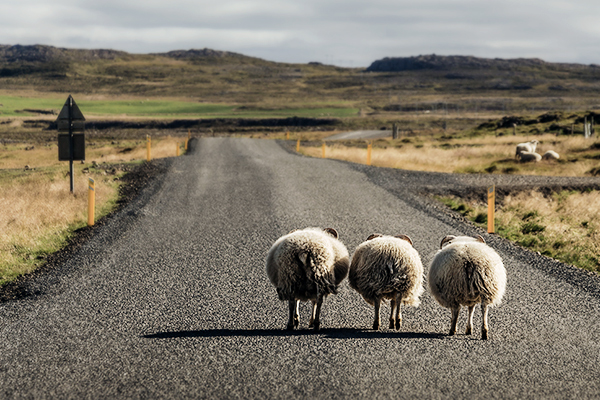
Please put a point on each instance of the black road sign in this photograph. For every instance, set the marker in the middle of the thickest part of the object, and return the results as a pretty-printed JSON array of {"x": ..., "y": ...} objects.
[
  {"x": 64, "y": 147},
  {"x": 71, "y": 147}
]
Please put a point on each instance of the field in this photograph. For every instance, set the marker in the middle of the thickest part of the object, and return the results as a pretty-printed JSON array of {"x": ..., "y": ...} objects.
[
  {"x": 39, "y": 212},
  {"x": 14, "y": 106}
]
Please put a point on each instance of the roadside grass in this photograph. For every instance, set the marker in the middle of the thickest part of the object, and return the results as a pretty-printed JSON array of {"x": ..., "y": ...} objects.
[
  {"x": 482, "y": 154},
  {"x": 563, "y": 225},
  {"x": 39, "y": 214}
]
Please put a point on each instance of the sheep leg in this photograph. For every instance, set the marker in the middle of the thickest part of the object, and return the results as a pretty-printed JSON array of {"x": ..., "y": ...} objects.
[
  {"x": 398, "y": 312},
  {"x": 484, "y": 326},
  {"x": 455, "y": 312},
  {"x": 470, "y": 321},
  {"x": 311, "y": 323},
  {"x": 377, "y": 304},
  {"x": 393, "y": 306},
  {"x": 316, "y": 321},
  {"x": 294, "y": 318}
]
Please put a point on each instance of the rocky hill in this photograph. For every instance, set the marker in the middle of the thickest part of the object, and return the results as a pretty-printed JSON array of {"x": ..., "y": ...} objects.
[{"x": 452, "y": 63}]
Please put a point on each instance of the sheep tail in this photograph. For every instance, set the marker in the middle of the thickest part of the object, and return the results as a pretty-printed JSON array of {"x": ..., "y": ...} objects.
[
  {"x": 475, "y": 282},
  {"x": 325, "y": 280}
]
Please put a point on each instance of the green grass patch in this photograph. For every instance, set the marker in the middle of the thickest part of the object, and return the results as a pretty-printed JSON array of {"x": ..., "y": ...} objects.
[{"x": 17, "y": 106}]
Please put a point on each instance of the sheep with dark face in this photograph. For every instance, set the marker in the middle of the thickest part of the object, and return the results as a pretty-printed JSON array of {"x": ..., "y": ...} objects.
[
  {"x": 304, "y": 265},
  {"x": 526, "y": 156},
  {"x": 527, "y": 147},
  {"x": 550, "y": 155},
  {"x": 465, "y": 272},
  {"x": 387, "y": 267}
]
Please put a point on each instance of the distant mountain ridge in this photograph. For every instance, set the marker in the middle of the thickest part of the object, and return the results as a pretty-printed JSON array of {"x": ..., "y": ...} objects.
[
  {"x": 448, "y": 63},
  {"x": 46, "y": 54}
]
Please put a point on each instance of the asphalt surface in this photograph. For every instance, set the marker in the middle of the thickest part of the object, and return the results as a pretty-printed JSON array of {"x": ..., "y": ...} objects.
[{"x": 170, "y": 299}]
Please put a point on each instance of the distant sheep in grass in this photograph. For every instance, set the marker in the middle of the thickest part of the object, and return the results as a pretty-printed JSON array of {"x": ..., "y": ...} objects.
[
  {"x": 526, "y": 147},
  {"x": 464, "y": 272},
  {"x": 387, "y": 267},
  {"x": 307, "y": 264},
  {"x": 526, "y": 156},
  {"x": 550, "y": 155}
]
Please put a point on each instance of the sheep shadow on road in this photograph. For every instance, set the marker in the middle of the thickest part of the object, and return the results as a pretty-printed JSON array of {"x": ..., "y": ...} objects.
[{"x": 334, "y": 333}]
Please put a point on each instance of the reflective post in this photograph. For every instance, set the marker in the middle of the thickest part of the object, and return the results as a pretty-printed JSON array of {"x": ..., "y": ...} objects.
[
  {"x": 491, "y": 208},
  {"x": 369, "y": 147},
  {"x": 148, "y": 147},
  {"x": 298, "y": 146},
  {"x": 323, "y": 155}
]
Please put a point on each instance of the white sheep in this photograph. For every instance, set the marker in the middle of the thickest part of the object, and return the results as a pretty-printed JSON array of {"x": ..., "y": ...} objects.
[
  {"x": 464, "y": 272},
  {"x": 527, "y": 146},
  {"x": 304, "y": 265},
  {"x": 526, "y": 156},
  {"x": 387, "y": 267},
  {"x": 550, "y": 155}
]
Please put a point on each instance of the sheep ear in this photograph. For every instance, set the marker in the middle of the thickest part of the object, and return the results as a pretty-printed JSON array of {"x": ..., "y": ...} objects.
[
  {"x": 332, "y": 232},
  {"x": 480, "y": 239},
  {"x": 447, "y": 240},
  {"x": 292, "y": 231},
  {"x": 404, "y": 237},
  {"x": 373, "y": 236}
]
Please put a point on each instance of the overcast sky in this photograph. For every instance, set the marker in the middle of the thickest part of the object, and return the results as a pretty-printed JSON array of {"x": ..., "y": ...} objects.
[{"x": 347, "y": 33}]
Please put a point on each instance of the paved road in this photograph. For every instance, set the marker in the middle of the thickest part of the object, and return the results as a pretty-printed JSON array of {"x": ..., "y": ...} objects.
[{"x": 170, "y": 299}]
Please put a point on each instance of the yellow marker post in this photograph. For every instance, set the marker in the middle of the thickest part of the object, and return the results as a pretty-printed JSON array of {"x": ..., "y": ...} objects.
[
  {"x": 148, "y": 147},
  {"x": 369, "y": 147},
  {"x": 323, "y": 150},
  {"x": 177, "y": 149},
  {"x": 298, "y": 146},
  {"x": 491, "y": 208},
  {"x": 186, "y": 143},
  {"x": 91, "y": 201},
  {"x": 287, "y": 135}
]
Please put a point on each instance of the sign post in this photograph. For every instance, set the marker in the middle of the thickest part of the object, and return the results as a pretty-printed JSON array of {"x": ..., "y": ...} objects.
[
  {"x": 491, "y": 208},
  {"x": 71, "y": 146}
]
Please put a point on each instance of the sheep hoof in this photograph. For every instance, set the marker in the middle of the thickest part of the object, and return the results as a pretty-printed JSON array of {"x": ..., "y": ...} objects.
[
  {"x": 398, "y": 324},
  {"x": 484, "y": 335},
  {"x": 452, "y": 332},
  {"x": 392, "y": 324},
  {"x": 291, "y": 327},
  {"x": 375, "y": 326},
  {"x": 316, "y": 325},
  {"x": 468, "y": 331}
]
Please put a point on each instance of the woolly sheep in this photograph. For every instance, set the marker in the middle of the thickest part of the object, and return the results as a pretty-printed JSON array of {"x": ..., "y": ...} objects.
[
  {"x": 550, "y": 155},
  {"x": 464, "y": 272},
  {"x": 527, "y": 156},
  {"x": 527, "y": 146},
  {"x": 387, "y": 267},
  {"x": 304, "y": 265}
]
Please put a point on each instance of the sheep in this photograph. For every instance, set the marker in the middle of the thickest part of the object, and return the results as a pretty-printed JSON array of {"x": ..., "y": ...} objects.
[
  {"x": 464, "y": 272},
  {"x": 527, "y": 146},
  {"x": 304, "y": 265},
  {"x": 550, "y": 155},
  {"x": 526, "y": 156},
  {"x": 387, "y": 267}
]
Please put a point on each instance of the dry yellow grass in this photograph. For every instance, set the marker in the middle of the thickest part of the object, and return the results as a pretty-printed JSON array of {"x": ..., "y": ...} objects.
[
  {"x": 480, "y": 154},
  {"x": 38, "y": 211},
  {"x": 564, "y": 225}
]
